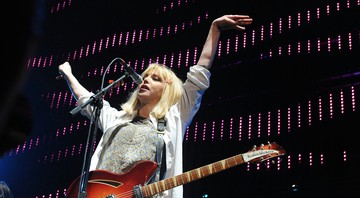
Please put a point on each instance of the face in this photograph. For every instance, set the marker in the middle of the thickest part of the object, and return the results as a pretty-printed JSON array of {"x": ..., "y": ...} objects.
[{"x": 151, "y": 89}]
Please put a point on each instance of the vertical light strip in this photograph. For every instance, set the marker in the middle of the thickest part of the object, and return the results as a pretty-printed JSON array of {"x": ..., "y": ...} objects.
[
  {"x": 244, "y": 40},
  {"x": 213, "y": 131},
  {"x": 327, "y": 10},
  {"x": 73, "y": 150},
  {"x": 65, "y": 98},
  {"x": 176, "y": 29},
  {"x": 342, "y": 101},
  {"x": 320, "y": 109},
  {"x": 80, "y": 148},
  {"x": 350, "y": 40},
  {"x": 317, "y": 13},
  {"x": 269, "y": 123},
  {"x": 187, "y": 57},
  {"x": 289, "y": 50},
  {"x": 221, "y": 130},
  {"x": 289, "y": 119},
  {"x": 339, "y": 42},
  {"x": 204, "y": 132},
  {"x": 94, "y": 48},
  {"x": 299, "y": 115},
  {"x": 58, "y": 100},
  {"x": 100, "y": 45},
  {"x": 58, "y": 155},
  {"x": 147, "y": 36},
  {"x": 195, "y": 131},
  {"x": 353, "y": 98},
  {"x": 288, "y": 161},
  {"x": 219, "y": 49},
  {"x": 250, "y": 127},
  {"x": 309, "y": 113},
  {"x": 289, "y": 22},
  {"x": 161, "y": 31},
  {"x": 172, "y": 60},
  {"x": 164, "y": 59},
  {"x": 240, "y": 128},
  {"x": 331, "y": 105},
  {"x": 278, "y": 163},
  {"x": 114, "y": 40},
  {"x": 81, "y": 52},
  {"x": 253, "y": 38},
  {"x": 179, "y": 59},
  {"x": 231, "y": 128},
  {"x": 322, "y": 159},
  {"x": 279, "y": 121},
  {"x": 279, "y": 50},
  {"x": 52, "y": 100},
  {"x": 87, "y": 50},
  {"x": 228, "y": 46},
  {"x": 195, "y": 56},
  {"x": 259, "y": 126},
  {"x": 134, "y": 36},
  {"x": 236, "y": 46},
  {"x": 308, "y": 16},
  {"x": 280, "y": 25},
  {"x": 168, "y": 30},
  {"x": 153, "y": 35}
]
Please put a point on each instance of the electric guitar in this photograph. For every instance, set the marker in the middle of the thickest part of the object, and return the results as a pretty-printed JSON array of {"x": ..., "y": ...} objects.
[{"x": 131, "y": 184}]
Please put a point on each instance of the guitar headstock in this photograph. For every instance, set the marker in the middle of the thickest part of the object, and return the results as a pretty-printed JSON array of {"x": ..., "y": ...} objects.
[{"x": 263, "y": 152}]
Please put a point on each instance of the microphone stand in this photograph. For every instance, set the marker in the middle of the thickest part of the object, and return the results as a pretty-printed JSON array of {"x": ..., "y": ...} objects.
[{"x": 96, "y": 100}]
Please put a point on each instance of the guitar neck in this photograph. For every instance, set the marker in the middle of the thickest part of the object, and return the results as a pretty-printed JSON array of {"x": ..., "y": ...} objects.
[{"x": 192, "y": 175}]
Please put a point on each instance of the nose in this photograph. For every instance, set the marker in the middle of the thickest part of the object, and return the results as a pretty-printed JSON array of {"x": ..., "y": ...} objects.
[{"x": 145, "y": 79}]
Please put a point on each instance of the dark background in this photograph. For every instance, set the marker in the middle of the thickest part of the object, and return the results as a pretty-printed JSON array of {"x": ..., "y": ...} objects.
[{"x": 255, "y": 90}]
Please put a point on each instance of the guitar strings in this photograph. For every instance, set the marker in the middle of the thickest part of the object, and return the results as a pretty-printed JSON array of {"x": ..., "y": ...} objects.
[{"x": 125, "y": 194}]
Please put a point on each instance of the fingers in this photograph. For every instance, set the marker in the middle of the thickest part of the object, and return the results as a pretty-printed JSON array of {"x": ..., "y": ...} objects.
[
  {"x": 242, "y": 21},
  {"x": 62, "y": 69}
]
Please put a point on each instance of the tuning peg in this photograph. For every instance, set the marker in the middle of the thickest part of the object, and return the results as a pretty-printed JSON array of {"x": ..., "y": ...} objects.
[
  {"x": 254, "y": 148},
  {"x": 262, "y": 146},
  {"x": 269, "y": 143}
]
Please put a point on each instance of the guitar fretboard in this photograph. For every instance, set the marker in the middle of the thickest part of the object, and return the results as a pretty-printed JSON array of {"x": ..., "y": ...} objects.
[{"x": 192, "y": 175}]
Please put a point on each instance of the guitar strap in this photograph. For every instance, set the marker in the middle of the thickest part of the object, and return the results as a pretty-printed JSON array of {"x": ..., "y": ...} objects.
[{"x": 160, "y": 149}]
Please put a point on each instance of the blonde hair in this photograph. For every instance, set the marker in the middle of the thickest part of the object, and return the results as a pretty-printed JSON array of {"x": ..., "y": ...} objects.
[{"x": 171, "y": 94}]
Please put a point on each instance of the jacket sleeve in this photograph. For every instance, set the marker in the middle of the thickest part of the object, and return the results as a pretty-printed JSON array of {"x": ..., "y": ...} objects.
[
  {"x": 197, "y": 82},
  {"x": 109, "y": 116}
]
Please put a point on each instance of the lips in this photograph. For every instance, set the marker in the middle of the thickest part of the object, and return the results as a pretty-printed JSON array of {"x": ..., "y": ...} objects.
[{"x": 144, "y": 88}]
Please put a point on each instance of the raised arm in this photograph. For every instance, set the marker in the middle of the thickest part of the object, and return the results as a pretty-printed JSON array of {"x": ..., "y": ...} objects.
[
  {"x": 226, "y": 22},
  {"x": 75, "y": 87}
]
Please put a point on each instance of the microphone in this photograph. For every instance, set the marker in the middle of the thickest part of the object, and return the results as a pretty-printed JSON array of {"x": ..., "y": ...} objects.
[
  {"x": 135, "y": 76},
  {"x": 59, "y": 77}
]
